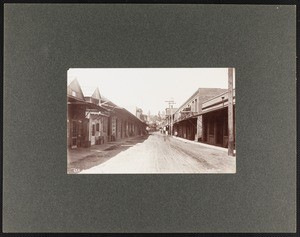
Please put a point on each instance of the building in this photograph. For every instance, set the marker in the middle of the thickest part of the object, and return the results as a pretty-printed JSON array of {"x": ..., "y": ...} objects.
[
  {"x": 77, "y": 135},
  {"x": 215, "y": 120},
  {"x": 139, "y": 114},
  {"x": 187, "y": 119},
  {"x": 168, "y": 120},
  {"x": 97, "y": 119},
  {"x": 94, "y": 119},
  {"x": 122, "y": 123}
]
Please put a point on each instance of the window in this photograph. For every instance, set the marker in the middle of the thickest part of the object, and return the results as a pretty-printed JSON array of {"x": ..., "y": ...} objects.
[
  {"x": 73, "y": 93},
  {"x": 93, "y": 130},
  {"x": 74, "y": 129},
  {"x": 97, "y": 127}
]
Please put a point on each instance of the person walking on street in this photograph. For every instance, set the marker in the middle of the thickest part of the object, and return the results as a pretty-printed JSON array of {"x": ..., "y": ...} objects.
[{"x": 165, "y": 133}]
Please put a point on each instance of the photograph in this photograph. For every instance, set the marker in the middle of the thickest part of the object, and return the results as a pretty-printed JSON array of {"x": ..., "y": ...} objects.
[
  {"x": 151, "y": 120},
  {"x": 121, "y": 118}
]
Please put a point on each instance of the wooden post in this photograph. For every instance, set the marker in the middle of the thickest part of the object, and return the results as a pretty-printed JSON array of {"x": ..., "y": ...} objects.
[
  {"x": 171, "y": 122},
  {"x": 215, "y": 131},
  {"x": 203, "y": 139},
  {"x": 230, "y": 112}
]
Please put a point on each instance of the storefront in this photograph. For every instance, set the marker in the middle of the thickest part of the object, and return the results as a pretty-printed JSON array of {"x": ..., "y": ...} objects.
[
  {"x": 186, "y": 128},
  {"x": 215, "y": 120},
  {"x": 77, "y": 133}
]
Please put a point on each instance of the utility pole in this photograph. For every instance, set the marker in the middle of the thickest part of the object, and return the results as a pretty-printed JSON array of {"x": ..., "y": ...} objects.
[
  {"x": 171, "y": 102},
  {"x": 230, "y": 112}
]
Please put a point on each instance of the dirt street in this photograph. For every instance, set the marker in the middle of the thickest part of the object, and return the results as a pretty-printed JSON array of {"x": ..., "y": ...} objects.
[{"x": 161, "y": 154}]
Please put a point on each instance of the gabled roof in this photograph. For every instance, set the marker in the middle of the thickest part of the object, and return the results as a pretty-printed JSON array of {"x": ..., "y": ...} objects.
[
  {"x": 97, "y": 94},
  {"x": 95, "y": 97},
  {"x": 74, "y": 86},
  {"x": 88, "y": 91}
]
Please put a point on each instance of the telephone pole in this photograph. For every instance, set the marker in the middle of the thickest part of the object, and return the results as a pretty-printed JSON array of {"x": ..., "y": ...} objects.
[
  {"x": 230, "y": 112},
  {"x": 171, "y": 102}
]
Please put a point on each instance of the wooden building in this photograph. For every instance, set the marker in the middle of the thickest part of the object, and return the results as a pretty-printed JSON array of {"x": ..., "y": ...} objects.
[
  {"x": 97, "y": 117},
  {"x": 93, "y": 119},
  {"x": 76, "y": 120},
  {"x": 187, "y": 118},
  {"x": 215, "y": 120},
  {"x": 122, "y": 123}
]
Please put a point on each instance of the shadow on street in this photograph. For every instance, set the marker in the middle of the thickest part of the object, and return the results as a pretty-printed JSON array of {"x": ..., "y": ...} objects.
[{"x": 100, "y": 156}]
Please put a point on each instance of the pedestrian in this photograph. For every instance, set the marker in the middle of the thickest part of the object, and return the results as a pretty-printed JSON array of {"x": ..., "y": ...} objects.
[{"x": 165, "y": 132}]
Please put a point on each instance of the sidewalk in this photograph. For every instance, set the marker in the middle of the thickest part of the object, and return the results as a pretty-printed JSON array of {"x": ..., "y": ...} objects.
[
  {"x": 80, "y": 153},
  {"x": 202, "y": 144}
]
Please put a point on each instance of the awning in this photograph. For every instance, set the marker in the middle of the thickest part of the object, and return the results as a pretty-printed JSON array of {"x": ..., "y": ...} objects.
[
  {"x": 185, "y": 119},
  {"x": 98, "y": 113}
]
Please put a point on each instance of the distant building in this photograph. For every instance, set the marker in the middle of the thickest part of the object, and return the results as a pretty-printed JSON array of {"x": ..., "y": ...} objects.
[
  {"x": 139, "y": 114},
  {"x": 168, "y": 113}
]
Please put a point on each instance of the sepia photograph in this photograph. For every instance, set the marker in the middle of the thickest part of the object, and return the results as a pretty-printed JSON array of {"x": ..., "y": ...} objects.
[{"x": 151, "y": 120}]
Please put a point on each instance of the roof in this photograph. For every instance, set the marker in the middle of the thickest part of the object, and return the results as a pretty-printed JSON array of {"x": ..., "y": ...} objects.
[
  {"x": 107, "y": 103},
  {"x": 203, "y": 95},
  {"x": 217, "y": 102},
  {"x": 87, "y": 91},
  {"x": 219, "y": 96},
  {"x": 74, "y": 90},
  {"x": 125, "y": 113}
]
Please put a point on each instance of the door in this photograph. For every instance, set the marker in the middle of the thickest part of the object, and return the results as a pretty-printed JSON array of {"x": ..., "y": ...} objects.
[
  {"x": 219, "y": 135},
  {"x": 93, "y": 134},
  {"x": 74, "y": 134}
]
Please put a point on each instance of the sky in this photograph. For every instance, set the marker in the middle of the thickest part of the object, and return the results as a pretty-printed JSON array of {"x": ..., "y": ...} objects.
[{"x": 148, "y": 88}]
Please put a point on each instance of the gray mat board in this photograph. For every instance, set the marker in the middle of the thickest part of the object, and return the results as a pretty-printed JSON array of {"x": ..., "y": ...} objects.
[{"x": 41, "y": 42}]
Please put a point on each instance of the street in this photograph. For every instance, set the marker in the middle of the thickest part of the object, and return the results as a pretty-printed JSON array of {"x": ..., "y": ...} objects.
[{"x": 165, "y": 154}]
